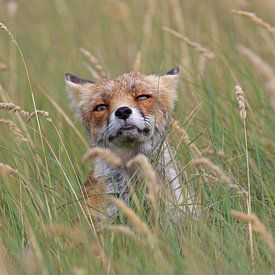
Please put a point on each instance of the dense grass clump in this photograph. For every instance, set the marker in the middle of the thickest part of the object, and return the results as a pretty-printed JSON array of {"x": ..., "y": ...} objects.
[{"x": 223, "y": 131}]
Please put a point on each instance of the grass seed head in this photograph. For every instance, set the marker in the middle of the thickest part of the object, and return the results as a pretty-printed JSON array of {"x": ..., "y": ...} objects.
[
  {"x": 147, "y": 172},
  {"x": 3, "y": 67},
  {"x": 94, "y": 62},
  {"x": 260, "y": 65},
  {"x": 122, "y": 229},
  {"x": 137, "y": 62},
  {"x": 257, "y": 227},
  {"x": 58, "y": 229},
  {"x": 14, "y": 108},
  {"x": 17, "y": 109},
  {"x": 105, "y": 154},
  {"x": 218, "y": 172},
  {"x": 38, "y": 113},
  {"x": 270, "y": 88},
  {"x": 7, "y": 170},
  {"x": 79, "y": 271},
  {"x": 196, "y": 46},
  {"x": 15, "y": 130},
  {"x": 241, "y": 101},
  {"x": 255, "y": 19},
  {"x": 134, "y": 219},
  {"x": 185, "y": 137}
]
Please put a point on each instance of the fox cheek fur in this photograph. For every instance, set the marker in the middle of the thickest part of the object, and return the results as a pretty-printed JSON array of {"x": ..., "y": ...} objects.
[{"x": 130, "y": 108}]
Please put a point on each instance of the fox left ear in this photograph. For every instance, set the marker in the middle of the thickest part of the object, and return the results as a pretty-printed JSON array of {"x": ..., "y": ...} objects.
[
  {"x": 171, "y": 78},
  {"x": 174, "y": 71},
  {"x": 77, "y": 88},
  {"x": 168, "y": 87}
]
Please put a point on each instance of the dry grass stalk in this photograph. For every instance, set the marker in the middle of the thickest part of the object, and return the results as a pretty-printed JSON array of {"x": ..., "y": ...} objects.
[
  {"x": 257, "y": 226},
  {"x": 79, "y": 271},
  {"x": 3, "y": 67},
  {"x": 208, "y": 177},
  {"x": 6, "y": 98},
  {"x": 95, "y": 63},
  {"x": 241, "y": 101},
  {"x": 147, "y": 172},
  {"x": 134, "y": 219},
  {"x": 141, "y": 228},
  {"x": 122, "y": 229},
  {"x": 4, "y": 27},
  {"x": 200, "y": 49},
  {"x": 118, "y": 10},
  {"x": 7, "y": 170},
  {"x": 147, "y": 25},
  {"x": 14, "y": 108},
  {"x": 200, "y": 160},
  {"x": 261, "y": 66},
  {"x": 65, "y": 117},
  {"x": 72, "y": 232},
  {"x": 103, "y": 257},
  {"x": 218, "y": 172},
  {"x": 30, "y": 262},
  {"x": 137, "y": 62},
  {"x": 185, "y": 137},
  {"x": 105, "y": 154},
  {"x": 18, "y": 109},
  {"x": 6, "y": 265},
  {"x": 264, "y": 70},
  {"x": 15, "y": 130},
  {"x": 94, "y": 74},
  {"x": 185, "y": 59},
  {"x": 209, "y": 152},
  {"x": 270, "y": 87},
  {"x": 215, "y": 178},
  {"x": 38, "y": 113},
  {"x": 255, "y": 19}
]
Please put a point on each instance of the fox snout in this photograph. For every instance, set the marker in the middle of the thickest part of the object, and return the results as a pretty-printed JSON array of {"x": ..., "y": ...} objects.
[
  {"x": 128, "y": 124},
  {"x": 123, "y": 112}
]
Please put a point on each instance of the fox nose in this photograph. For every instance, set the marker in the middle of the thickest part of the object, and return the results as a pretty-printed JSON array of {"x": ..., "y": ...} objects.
[{"x": 123, "y": 112}]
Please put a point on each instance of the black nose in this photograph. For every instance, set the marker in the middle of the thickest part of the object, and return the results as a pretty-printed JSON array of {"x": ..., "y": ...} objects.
[{"x": 123, "y": 112}]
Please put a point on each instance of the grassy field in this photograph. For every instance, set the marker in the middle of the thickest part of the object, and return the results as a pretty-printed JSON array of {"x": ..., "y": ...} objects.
[{"x": 40, "y": 199}]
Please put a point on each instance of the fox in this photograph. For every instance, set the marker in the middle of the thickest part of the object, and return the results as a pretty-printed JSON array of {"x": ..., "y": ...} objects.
[{"x": 129, "y": 115}]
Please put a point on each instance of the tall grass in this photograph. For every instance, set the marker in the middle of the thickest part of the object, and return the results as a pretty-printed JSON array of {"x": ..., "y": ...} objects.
[{"x": 44, "y": 225}]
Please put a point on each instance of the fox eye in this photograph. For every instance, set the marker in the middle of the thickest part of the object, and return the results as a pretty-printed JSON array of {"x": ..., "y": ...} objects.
[
  {"x": 100, "y": 107},
  {"x": 142, "y": 97}
]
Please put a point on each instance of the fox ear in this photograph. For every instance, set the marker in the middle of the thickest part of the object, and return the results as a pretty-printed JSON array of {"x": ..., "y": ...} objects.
[
  {"x": 174, "y": 71},
  {"x": 168, "y": 84},
  {"x": 77, "y": 88},
  {"x": 171, "y": 78}
]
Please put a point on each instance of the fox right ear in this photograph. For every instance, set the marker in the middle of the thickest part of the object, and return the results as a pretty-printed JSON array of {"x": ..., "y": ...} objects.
[
  {"x": 174, "y": 71},
  {"x": 77, "y": 88}
]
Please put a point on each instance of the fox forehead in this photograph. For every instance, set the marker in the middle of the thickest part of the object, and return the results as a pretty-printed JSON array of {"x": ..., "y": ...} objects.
[{"x": 126, "y": 84}]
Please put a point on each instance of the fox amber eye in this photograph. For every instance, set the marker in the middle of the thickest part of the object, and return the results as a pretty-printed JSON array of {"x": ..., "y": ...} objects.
[
  {"x": 142, "y": 97},
  {"x": 100, "y": 107}
]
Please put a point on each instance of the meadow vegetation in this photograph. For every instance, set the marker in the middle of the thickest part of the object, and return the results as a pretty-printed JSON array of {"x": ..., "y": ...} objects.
[{"x": 223, "y": 131}]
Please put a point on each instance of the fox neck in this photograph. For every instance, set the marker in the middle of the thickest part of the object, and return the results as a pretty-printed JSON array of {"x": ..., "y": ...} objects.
[{"x": 117, "y": 179}]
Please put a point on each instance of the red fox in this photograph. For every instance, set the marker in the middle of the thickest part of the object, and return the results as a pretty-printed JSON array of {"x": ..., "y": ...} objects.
[{"x": 129, "y": 115}]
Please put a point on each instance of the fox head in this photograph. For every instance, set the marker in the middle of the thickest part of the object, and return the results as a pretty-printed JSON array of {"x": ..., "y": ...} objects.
[{"x": 129, "y": 111}]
